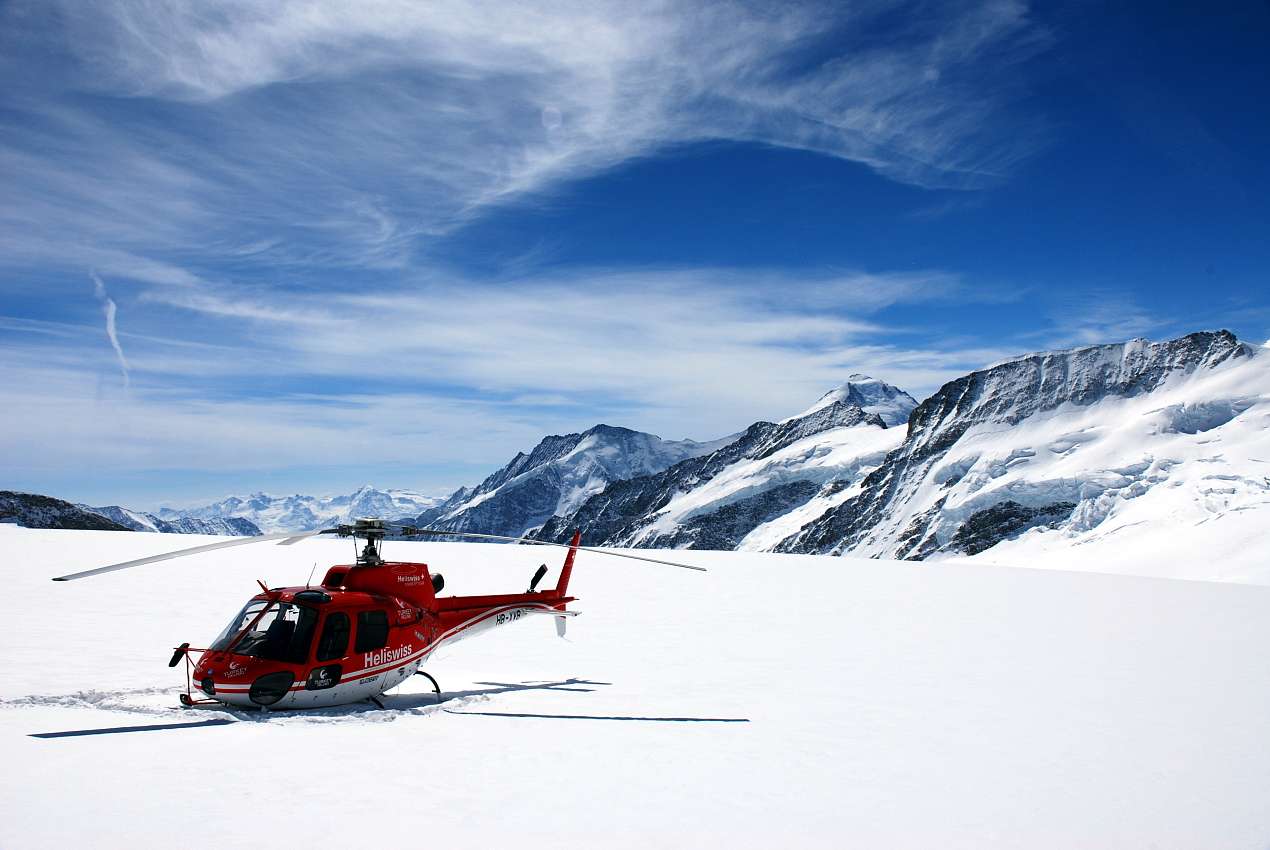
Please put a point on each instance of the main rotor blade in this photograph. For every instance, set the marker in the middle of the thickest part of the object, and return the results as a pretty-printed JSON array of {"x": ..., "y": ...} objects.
[
  {"x": 530, "y": 540},
  {"x": 180, "y": 553}
]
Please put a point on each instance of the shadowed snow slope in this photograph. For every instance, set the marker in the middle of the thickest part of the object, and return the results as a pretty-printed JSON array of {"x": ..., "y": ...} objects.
[{"x": 885, "y": 705}]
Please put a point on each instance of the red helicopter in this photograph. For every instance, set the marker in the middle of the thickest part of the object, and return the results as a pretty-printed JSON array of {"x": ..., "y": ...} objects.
[{"x": 375, "y": 623}]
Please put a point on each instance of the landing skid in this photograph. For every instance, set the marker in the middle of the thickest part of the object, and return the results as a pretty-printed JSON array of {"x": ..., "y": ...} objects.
[{"x": 188, "y": 701}]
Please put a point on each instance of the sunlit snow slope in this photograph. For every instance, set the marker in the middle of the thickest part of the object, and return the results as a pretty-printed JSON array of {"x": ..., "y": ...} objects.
[{"x": 776, "y": 701}]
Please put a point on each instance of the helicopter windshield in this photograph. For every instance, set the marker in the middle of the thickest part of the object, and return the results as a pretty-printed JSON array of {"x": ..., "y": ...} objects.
[{"x": 284, "y": 633}]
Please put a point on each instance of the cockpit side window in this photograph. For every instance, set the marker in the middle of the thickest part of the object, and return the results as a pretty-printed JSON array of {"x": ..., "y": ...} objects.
[
  {"x": 244, "y": 619},
  {"x": 283, "y": 633},
  {"x": 372, "y": 630},
  {"x": 334, "y": 640}
]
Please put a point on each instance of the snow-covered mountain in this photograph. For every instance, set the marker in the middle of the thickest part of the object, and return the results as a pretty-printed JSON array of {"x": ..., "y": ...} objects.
[
  {"x": 304, "y": 513},
  {"x": 556, "y": 477},
  {"x": 32, "y": 510},
  {"x": 1158, "y": 445},
  {"x": 757, "y": 489},
  {"x": 139, "y": 521}
]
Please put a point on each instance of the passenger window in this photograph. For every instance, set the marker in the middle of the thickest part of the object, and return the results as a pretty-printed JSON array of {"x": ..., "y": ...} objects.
[
  {"x": 372, "y": 630},
  {"x": 334, "y": 640}
]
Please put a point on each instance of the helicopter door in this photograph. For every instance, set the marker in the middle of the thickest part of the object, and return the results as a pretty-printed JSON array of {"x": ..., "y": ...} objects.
[{"x": 332, "y": 645}]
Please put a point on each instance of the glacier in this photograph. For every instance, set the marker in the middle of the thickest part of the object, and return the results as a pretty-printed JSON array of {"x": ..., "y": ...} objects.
[{"x": 775, "y": 701}]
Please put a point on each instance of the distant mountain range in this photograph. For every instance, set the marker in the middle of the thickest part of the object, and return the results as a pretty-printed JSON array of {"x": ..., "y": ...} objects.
[
  {"x": 1101, "y": 450},
  {"x": 235, "y": 516},
  {"x": 138, "y": 521},
  {"x": 305, "y": 513}
]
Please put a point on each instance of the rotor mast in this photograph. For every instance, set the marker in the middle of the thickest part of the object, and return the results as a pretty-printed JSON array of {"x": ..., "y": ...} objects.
[{"x": 373, "y": 532}]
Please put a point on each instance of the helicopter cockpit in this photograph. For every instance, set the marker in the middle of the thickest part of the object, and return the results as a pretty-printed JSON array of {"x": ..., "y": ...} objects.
[{"x": 269, "y": 629}]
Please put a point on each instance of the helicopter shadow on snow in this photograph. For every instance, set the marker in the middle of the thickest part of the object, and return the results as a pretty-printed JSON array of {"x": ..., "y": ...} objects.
[
  {"x": 391, "y": 707},
  {"x": 465, "y": 702}
]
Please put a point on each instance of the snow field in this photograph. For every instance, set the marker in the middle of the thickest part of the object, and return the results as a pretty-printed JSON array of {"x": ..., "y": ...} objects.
[{"x": 886, "y": 705}]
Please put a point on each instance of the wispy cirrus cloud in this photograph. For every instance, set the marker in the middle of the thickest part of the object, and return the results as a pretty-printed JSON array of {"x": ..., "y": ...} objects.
[
  {"x": 304, "y": 133},
  {"x": 698, "y": 350}
]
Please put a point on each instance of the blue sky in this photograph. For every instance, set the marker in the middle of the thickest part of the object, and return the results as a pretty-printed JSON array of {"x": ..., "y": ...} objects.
[{"x": 305, "y": 246}]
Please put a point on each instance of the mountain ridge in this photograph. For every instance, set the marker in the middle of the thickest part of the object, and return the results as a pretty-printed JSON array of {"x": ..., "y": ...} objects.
[
  {"x": 890, "y": 518},
  {"x": 762, "y": 486},
  {"x": 559, "y": 473},
  {"x": 34, "y": 510}
]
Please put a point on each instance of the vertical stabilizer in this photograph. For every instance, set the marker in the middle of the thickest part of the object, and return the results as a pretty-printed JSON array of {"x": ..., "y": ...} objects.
[{"x": 562, "y": 586}]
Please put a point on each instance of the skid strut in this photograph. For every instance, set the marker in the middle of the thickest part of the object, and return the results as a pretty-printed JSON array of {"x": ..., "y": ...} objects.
[
  {"x": 188, "y": 699},
  {"x": 435, "y": 686}
]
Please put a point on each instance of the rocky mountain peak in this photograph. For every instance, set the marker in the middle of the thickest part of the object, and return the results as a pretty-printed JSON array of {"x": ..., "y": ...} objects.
[{"x": 871, "y": 395}]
